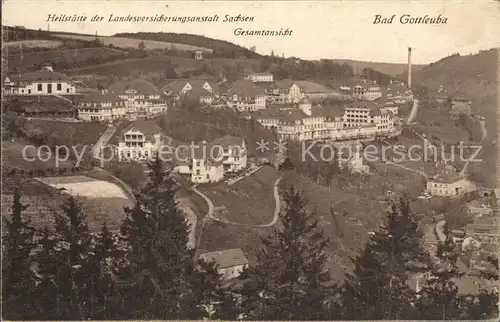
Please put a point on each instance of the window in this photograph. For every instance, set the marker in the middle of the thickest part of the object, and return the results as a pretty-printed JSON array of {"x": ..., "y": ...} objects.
[
  {"x": 39, "y": 87},
  {"x": 59, "y": 87}
]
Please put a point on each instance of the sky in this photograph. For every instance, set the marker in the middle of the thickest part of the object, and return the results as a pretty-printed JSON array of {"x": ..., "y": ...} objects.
[{"x": 321, "y": 29}]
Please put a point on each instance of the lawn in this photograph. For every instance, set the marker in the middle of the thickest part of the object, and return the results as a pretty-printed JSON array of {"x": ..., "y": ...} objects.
[
  {"x": 72, "y": 133},
  {"x": 438, "y": 126},
  {"x": 63, "y": 58},
  {"x": 32, "y": 44},
  {"x": 85, "y": 187},
  {"x": 241, "y": 198},
  {"x": 133, "y": 43}
]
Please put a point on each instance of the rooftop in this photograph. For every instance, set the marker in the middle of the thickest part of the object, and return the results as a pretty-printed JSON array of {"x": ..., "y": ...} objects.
[
  {"x": 98, "y": 97},
  {"x": 310, "y": 87},
  {"x": 40, "y": 75},
  {"x": 245, "y": 88},
  {"x": 142, "y": 86},
  {"x": 146, "y": 127},
  {"x": 226, "y": 258}
]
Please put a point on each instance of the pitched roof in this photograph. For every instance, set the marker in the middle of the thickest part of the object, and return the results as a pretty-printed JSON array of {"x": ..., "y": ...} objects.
[
  {"x": 305, "y": 100},
  {"x": 146, "y": 127},
  {"x": 245, "y": 88},
  {"x": 363, "y": 105},
  {"x": 284, "y": 83},
  {"x": 140, "y": 85},
  {"x": 228, "y": 141},
  {"x": 98, "y": 97},
  {"x": 226, "y": 258},
  {"x": 39, "y": 75},
  {"x": 447, "y": 176},
  {"x": 310, "y": 87}
]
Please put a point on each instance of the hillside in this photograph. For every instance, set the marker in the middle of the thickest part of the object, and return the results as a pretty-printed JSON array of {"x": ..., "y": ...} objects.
[
  {"x": 474, "y": 76},
  {"x": 220, "y": 48},
  {"x": 391, "y": 69}
]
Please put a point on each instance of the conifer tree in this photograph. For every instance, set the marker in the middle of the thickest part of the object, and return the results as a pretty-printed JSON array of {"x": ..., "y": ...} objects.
[
  {"x": 73, "y": 271},
  {"x": 289, "y": 280},
  {"x": 162, "y": 270},
  {"x": 438, "y": 298},
  {"x": 378, "y": 288},
  {"x": 17, "y": 274}
]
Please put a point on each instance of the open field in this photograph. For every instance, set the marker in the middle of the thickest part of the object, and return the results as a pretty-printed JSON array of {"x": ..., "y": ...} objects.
[
  {"x": 63, "y": 58},
  {"x": 241, "y": 198},
  {"x": 85, "y": 187},
  {"x": 12, "y": 157},
  {"x": 32, "y": 44},
  {"x": 86, "y": 133},
  {"x": 439, "y": 126},
  {"x": 133, "y": 43}
]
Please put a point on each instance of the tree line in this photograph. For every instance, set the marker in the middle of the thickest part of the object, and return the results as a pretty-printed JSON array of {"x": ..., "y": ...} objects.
[{"x": 146, "y": 271}]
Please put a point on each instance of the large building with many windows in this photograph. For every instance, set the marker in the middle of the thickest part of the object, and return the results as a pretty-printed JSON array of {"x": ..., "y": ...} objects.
[
  {"x": 139, "y": 141},
  {"x": 143, "y": 97},
  {"x": 42, "y": 82},
  {"x": 101, "y": 107}
]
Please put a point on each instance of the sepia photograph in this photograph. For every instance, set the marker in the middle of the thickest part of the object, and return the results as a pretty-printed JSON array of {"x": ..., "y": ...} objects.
[{"x": 249, "y": 160}]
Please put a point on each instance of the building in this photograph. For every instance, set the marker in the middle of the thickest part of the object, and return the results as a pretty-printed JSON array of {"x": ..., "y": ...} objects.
[
  {"x": 315, "y": 91},
  {"x": 101, "y": 107},
  {"x": 398, "y": 93},
  {"x": 180, "y": 87},
  {"x": 260, "y": 78},
  {"x": 245, "y": 96},
  {"x": 460, "y": 106},
  {"x": 234, "y": 153},
  {"x": 359, "y": 92},
  {"x": 480, "y": 207},
  {"x": 143, "y": 97},
  {"x": 303, "y": 121},
  {"x": 373, "y": 93},
  {"x": 230, "y": 262},
  {"x": 484, "y": 230},
  {"x": 139, "y": 141},
  {"x": 209, "y": 162},
  {"x": 449, "y": 183},
  {"x": 49, "y": 107},
  {"x": 42, "y": 82},
  {"x": 198, "y": 55},
  {"x": 202, "y": 162}
]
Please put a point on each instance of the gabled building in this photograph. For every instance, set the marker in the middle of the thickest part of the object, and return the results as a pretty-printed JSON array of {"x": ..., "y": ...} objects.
[
  {"x": 42, "y": 82},
  {"x": 234, "y": 152},
  {"x": 143, "y": 97},
  {"x": 449, "y": 183},
  {"x": 101, "y": 107},
  {"x": 202, "y": 162},
  {"x": 230, "y": 262},
  {"x": 139, "y": 141},
  {"x": 245, "y": 96}
]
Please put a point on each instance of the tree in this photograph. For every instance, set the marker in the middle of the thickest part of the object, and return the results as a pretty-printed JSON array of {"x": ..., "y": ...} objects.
[
  {"x": 438, "y": 298},
  {"x": 377, "y": 289},
  {"x": 17, "y": 275},
  {"x": 141, "y": 46},
  {"x": 289, "y": 281},
  {"x": 164, "y": 277}
]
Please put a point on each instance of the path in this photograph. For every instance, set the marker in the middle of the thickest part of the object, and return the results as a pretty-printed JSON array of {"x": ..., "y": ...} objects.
[
  {"x": 413, "y": 112},
  {"x": 210, "y": 212},
  {"x": 406, "y": 168},
  {"x": 484, "y": 133},
  {"x": 103, "y": 140},
  {"x": 185, "y": 204},
  {"x": 440, "y": 231}
]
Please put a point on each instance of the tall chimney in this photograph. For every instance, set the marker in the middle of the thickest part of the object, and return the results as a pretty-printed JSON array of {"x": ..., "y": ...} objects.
[{"x": 409, "y": 67}]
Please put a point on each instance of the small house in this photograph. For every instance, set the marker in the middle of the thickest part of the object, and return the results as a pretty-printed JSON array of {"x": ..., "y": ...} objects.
[{"x": 231, "y": 262}]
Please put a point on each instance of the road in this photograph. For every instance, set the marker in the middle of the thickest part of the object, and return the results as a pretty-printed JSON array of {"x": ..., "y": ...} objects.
[
  {"x": 440, "y": 231},
  {"x": 185, "y": 204},
  {"x": 210, "y": 212}
]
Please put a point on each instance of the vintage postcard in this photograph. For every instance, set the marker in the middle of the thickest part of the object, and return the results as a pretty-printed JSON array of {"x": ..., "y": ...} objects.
[{"x": 250, "y": 160}]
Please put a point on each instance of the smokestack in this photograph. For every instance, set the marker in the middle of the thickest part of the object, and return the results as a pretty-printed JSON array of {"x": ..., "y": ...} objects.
[{"x": 409, "y": 67}]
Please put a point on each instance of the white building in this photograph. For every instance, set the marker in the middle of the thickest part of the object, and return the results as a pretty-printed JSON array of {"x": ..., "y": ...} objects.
[
  {"x": 143, "y": 97},
  {"x": 198, "y": 55},
  {"x": 373, "y": 93},
  {"x": 191, "y": 87},
  {"x": 139, "y": 141},
  {"x": 42, "y": 82},
  {"x": 234, "y": 153},
  {"x": 101, "y": 107},
  {"x": 208, "y": 163},
  {"x": 359, "y": 92},
  {"x": 245, "y": 96},
  {"x": 449, "y": 184},
  {"x": 304, "y": 122},
  {"x": 260, "y": 78},
  {"x": 230, "y": 262}
]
